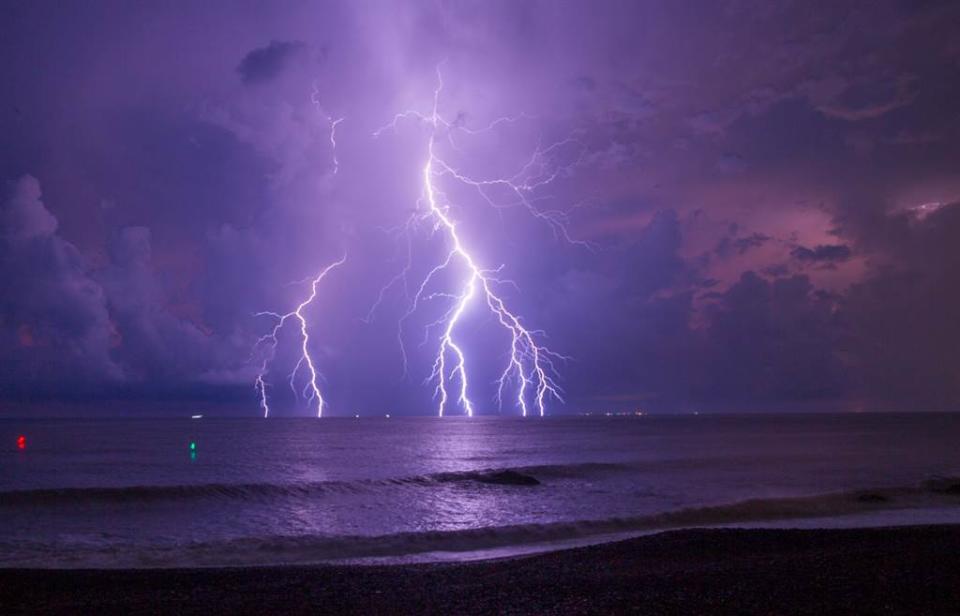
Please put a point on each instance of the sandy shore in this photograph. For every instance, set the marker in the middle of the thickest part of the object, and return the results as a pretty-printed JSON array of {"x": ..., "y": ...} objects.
[{"x": 912, "y": 570}]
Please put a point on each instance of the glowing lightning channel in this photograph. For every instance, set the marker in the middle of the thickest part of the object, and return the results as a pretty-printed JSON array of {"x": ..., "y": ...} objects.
[
  {"x": 531, "y": 364},
  {"x": 311, "y": 389},
  {"x": 333, "y": 122}
]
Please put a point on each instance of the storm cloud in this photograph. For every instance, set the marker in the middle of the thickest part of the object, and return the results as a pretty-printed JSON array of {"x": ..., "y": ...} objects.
[
  {"x": 265, "y": 63},
  {"x": 759, "y": 200}
]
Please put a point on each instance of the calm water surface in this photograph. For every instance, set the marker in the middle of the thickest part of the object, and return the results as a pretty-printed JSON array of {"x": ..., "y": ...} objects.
[{"x": 133, "y": 493}]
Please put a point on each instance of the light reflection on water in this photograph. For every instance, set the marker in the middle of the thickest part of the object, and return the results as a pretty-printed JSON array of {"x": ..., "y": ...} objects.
[{"x": 376, "y": 477}]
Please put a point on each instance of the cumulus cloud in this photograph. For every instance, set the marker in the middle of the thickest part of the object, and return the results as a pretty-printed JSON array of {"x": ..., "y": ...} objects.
[
  {"x": 188, "y": 203},
  {"x": 24, "y": 215},
  {"x": 56, "y": 329},
  {"x": 729, "y": 245},
  {"x": 157, "y": 345},
  {"x": 824, "y": 254},
  {"x": 903, "y": 318},
  {"x": 266, "y": 63},
  {"x": 784, "y": 337},
  {"x": 68, "y": 328},
  {"x": 867, "y": 99}
]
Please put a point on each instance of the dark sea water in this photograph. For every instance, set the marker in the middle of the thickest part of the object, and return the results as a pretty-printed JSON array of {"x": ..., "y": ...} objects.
[{"x": 132, "y": 493}]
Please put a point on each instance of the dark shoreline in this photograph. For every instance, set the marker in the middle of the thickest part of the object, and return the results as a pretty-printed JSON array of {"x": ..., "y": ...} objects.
[{"x": 905, "y": 570}]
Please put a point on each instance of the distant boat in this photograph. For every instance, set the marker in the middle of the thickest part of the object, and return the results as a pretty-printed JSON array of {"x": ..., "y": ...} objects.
[{"x": 196, "y": 417}]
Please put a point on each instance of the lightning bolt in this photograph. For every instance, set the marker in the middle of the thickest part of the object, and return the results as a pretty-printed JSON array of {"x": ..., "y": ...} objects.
[
  {"x": 333, "y": 122},
  {"x": 311, "y": 391},
  {"x": 530, "y": 364}
]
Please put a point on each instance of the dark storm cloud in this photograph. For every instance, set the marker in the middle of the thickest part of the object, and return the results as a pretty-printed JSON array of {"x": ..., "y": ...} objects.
[
  {"x": 265, "y": 63},
  {"x": 56, "y": 328},
  {"x": 633, "y": 280},
  {"x": 785, "y": 337},
  {"x": 741, "y": 245},
  {"x": 766, "y": 188},
  {"x": 69, "y": 327},
  {"x": 826, "y": 254},
  {"x": 904, "y": 317},
  {"x": 156, "y": 345}
]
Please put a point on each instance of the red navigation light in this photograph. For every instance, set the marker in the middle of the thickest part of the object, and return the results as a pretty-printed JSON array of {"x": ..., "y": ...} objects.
[{"x": 21, "y": 442}]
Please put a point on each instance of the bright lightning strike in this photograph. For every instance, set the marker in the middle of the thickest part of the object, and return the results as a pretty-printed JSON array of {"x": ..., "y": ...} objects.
[
  {"x": 333, "y": 122},
  {"x": 311, "y": 391},
  {"x": 530, "y": 365}
]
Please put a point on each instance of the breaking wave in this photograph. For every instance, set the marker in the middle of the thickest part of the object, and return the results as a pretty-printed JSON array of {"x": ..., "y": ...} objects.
[
  {"x": 302, "y": 549},
  {"x": 516, "y": 476}
]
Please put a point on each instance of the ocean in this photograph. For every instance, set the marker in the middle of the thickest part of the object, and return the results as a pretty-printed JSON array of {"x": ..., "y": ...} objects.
[{"x": 215, "y": 492}]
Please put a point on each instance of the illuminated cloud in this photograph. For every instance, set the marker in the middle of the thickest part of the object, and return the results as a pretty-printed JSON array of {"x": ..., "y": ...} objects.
[{"x": 732, "y": 158}]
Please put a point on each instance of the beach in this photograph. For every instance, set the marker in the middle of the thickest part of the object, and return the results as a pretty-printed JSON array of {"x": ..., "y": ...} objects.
[{"x": 903, "y": 570}]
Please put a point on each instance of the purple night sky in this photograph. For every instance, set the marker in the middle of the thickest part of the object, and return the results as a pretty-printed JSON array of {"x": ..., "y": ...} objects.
[{"x": 763, "y": 200}]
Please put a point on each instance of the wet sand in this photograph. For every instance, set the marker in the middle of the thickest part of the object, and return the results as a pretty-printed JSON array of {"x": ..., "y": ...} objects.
[{"x": 913, "y": 570}]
